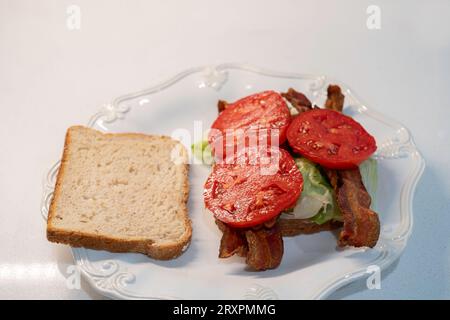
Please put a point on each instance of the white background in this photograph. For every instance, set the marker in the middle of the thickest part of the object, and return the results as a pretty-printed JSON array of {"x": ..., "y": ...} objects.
[{"x": 51, "y": 78}]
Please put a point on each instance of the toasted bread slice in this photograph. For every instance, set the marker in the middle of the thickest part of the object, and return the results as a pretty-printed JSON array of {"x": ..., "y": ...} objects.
[
  {"x": 295, "y": 227},
  {"x": 122, "y": 193}
]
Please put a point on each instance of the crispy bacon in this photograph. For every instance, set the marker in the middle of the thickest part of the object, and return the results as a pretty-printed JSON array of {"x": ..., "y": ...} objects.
[
  {"x": 265, "y": 248},
  {"x": 262, "y": 247},
  {"x": 233, "y": 242},
  {"x": 298, "y": 100},
  {"x": 361, "y": 224},
  {"x": 335, "y": 98},
  {"x": 221, "y": 105},
  {"x": 332, "y": 176}
]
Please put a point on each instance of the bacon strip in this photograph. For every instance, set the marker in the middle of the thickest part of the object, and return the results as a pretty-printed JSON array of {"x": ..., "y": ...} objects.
[
  {"x": 221, "y": 105},
  {"x": 233, "y": 242},
  {"x": 298, "y": 100},
  {"x": 361, "y": 224},
  {"x": 335, "y": 98},
  {"x": 263, "y": 248}
]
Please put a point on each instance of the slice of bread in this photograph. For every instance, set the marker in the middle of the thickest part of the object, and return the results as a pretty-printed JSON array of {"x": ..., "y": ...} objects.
[
  {"x": 122, "y": 193},
  {"x": 295, "y": 227}
]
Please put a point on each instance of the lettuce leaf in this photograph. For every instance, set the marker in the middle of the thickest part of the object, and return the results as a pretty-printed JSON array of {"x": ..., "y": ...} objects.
[
  {"x": 317, "y": 201},
  {"x": 202, "y": 151},
  {"x": 369, "y": 174}
]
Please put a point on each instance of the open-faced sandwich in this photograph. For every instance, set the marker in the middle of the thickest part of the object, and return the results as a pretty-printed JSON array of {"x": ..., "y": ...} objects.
[{"x": 283, "y": 167}]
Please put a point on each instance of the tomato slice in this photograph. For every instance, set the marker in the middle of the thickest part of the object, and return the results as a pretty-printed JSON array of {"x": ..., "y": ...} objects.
[
  {"x": 264, "y": 114},
  {"x": 249, "y": 192},
  {"x": 330, "y": 139}
]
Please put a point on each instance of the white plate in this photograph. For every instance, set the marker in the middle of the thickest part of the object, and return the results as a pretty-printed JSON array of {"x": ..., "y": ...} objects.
[{"x": 312, "y": 265}]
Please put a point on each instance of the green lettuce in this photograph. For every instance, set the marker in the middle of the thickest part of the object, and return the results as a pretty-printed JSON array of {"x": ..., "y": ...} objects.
[
  {"x": 202, "y": 151},
  {"x": 369, "y": 174},
  {"x": 317, "y": 201}
]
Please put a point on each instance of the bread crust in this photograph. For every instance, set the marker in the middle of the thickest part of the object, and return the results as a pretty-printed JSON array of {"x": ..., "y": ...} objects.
[
  {"x": 114, "y": 244},
  {"x": 295, "y": 227}
]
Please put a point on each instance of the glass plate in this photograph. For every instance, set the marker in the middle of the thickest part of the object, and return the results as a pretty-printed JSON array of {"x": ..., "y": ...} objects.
[{"x": 312, "y": 265}]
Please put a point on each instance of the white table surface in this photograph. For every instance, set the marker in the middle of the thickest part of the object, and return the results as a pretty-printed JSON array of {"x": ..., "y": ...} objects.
[{"x": 51, "y": 78}]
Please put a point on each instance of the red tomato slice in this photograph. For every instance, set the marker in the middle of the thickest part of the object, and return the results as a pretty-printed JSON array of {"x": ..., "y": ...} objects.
[
  {"x": 264, "y": 114},
  {"x": 330, "y": 139},
  {"x": 249, "y": 192}
]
